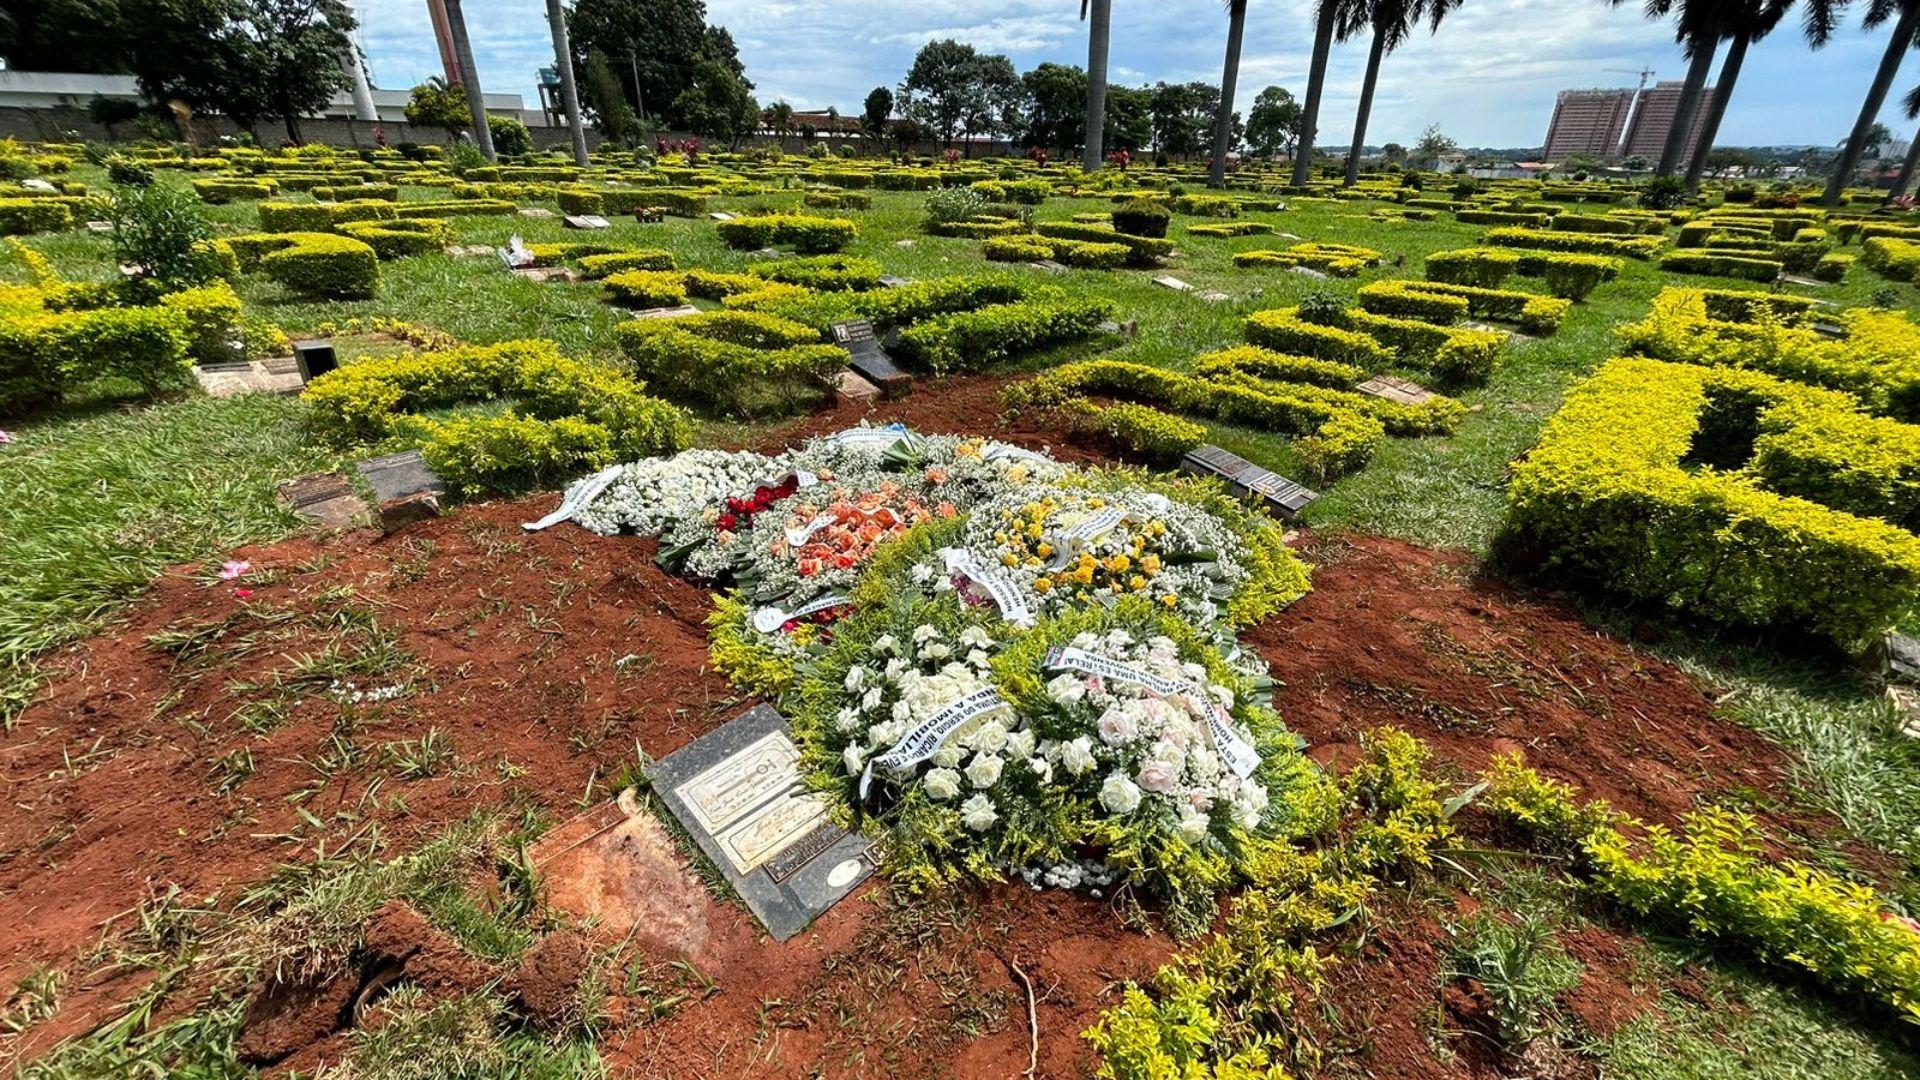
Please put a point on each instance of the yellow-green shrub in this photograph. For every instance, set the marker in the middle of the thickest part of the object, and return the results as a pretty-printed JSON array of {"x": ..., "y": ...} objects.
[
  {"x": 981, "y": 338},
  {"x": 744, "y": 361},
  {"x": 648, "y": 288},
  {"x": 805, "y": 234},
  {"x": 401, "y": 236},
  {"x": 43, "y": 354},
  {"x": 594, "y": 267}
]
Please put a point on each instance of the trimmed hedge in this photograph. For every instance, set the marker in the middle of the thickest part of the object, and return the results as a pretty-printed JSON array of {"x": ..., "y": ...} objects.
[
  {"x": 19, "y": 217},
  {"x": 311, "y": 264},
  {"x": 1877, "y": 359},
  {"x": 1538, "y": 315},
  {"x": 1722, "y": 263},
  {"x": 743, "y": 361},
  {"x": 571, "y": 416},
  {"x": 1141, "y": 250},
  {"x": 1606, "y": 496},
  {"x": 981, "y": 338},
  {"x": 1568, "y": 275},
  {"x": 227, "y": 189},
  {"x": 901, "y": 305},
  {"x": 807, "y": 235},
  {"x": 604, "y": 264},
  {"x": 1230, "y": 228},
  {"x": 1634, "y": 247},
  {"x": 1894, "y": 259},
  {"x": 1282, "y": 330},
  {"x": 1154, "y": 436},
  {"x": 648, "y": 288},
  {"x": 44, "y": 354},
  {"x": 316, "y": 217},
  {"x": 1340, "y": 260},
  {"x": 1024, "y": 248},
  {"x": 822, "y": 273},
  {"x": 400, "y": 237}
]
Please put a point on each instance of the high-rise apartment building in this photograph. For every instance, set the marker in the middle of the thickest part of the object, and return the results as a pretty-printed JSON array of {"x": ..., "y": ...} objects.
[
  {"x": 1587, "y": 122},
  {"x": 1653, "y": 118}
]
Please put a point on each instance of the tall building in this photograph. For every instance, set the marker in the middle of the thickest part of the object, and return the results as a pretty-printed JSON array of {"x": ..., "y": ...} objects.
[
  {"x": 1587, "y": 122},
  {"x": 1647, "y": 133}
]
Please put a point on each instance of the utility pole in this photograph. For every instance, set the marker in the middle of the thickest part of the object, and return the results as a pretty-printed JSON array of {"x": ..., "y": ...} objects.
[
  {"x": 1098, "y": 31},
  {"x": 569, "y": 94},
  {"x": 470, "y": 78}
]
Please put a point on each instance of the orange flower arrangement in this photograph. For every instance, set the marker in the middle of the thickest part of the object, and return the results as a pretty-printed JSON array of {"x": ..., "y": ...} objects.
[{"x": 853, "y": 525}]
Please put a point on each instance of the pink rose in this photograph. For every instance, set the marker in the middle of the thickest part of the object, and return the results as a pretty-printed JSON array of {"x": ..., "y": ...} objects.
[
  {"x": 1118, "y": 727},
  {"x": 1159, "y": 777}
]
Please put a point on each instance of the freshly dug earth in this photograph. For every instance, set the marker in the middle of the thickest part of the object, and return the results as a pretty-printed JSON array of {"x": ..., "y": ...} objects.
[{"x": 542, "y": 660}]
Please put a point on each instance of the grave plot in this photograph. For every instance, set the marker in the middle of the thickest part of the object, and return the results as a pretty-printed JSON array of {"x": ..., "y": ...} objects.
[
  {"x": 1757, "y": 245},
  {"x": 1729, "y": 494},
  {"x": 1338, "y": 260},
  {"x": 1871, "y": 353},
  {"x": 931, "y": 610},
  {"x": 1568, "y": 275}
]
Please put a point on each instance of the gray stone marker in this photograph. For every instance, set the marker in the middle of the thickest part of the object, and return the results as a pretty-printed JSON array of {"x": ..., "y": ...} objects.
[
  {"x": 1392, "y": 389},
  {"x": 868, "y": 359},
  {"x": 666, "y": 312},
  {"x": 720, "y": 215},
  {"x": 1049, "y": 266},
  {"x": 892, "y": 281},
  {"x": 586, "y": 221},
  {"x": 405, "y": 488},
  {"x": 276, "y": 376},
  {"x": 1249, "y": 481},
  {"x": 738, "y": 792},
  {"x": 1168, "y": 281},
  {"x": 1903, "y": 656},
  {"x": 535, "y": 212},
  {"x": 324, "y": 498}
]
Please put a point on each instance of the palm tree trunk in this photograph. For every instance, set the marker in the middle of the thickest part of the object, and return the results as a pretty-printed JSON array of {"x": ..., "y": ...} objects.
[
  {"x": 1374, "y": 54},
  {"x": 1870, "y": 109},
  {"x": 1717, "y": 108},
  {"x": 1906, "y": 169},
  {"x": 569, "y": 93},
  {"x": 1099, "y": 26},
  {"x": 1700, "y": 63},
  {"x": 469, "y": 78},
  {"x": 1316, "y": 81},
  {"x": 1229, "y": 75}
]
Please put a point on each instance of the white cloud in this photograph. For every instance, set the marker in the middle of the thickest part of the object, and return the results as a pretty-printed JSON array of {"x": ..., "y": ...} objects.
[{"x": 1488, "y": 77}]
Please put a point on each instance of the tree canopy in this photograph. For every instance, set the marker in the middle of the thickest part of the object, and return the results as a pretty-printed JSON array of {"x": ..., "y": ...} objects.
[
  {"x": 657, "y": 49},
  {"x": 1273, "y": 124}
]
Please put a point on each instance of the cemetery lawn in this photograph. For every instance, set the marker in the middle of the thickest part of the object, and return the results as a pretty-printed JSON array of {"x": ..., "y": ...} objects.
[{"x": 232, "y": 739}]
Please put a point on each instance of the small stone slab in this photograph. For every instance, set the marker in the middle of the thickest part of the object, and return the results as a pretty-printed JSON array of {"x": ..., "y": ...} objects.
[
  {"x": 737, "y": 790},
  {"x": 326, "y": 499},
  {"x": 1249, "y": 481},
  {"x": 1307, "y": 271},
  {"x": 1903, "y": 656},
  {"x": 1906, "y": 708},
  {"x": 767, "y": 253},
  {"x": 228, "y": 380},
  {"x": 535, "y": 212},
  {"x": 720, "y": 215},
  {"x": 100, "y": 226},
  {"x": 586, "y": 221},
  {"x": 865, "y": 356},
  {"x": 1130, "y": 328},
  {"x": 1049, "y": 266},
  {"x": 405, "y": 487},
  {"x": 666, "y": 312},
  {"x": 548, "y": 273},
  {"x": 1796, "y": 279},
  {"x": 852, "y": 389},
  {"x": 903, "y": 243},
  {"x": 1286, "y": 236},
  {"x": 1392, "y": 389},
  {"x": 469, "y": 251},
  {"x": 893, "y": 281},
  {"x": 1168, "y": 281},
  {"x": 1832, "y": 330},
  {"x": 1214, "y": 296}
]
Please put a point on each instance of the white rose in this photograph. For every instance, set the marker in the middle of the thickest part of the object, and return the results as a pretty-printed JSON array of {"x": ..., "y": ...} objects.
[
  {"x": 978, "y": 813},
  {"x": 870, "y": 699},
  {"x": 1077, "y": 755},
  {"x": 937, "y": 650},
  {"x": 1118, "y": 726},
  {"x": 976, "y": 637},
  {"x": 1119, "y": 795},
  {"x": 1193, "y": 826},
  {"x": 854, "y": 757},
  {"x": 942, "y": 784},
  {"x": 1066, "y": 688},
  {"x": 989, "y": 737},
  {"x": 885, "y": 643},
  {"x": 984, "y": 770},
  {"x": 1042, "y": 768},
  {"x": 1020, "y": 743},
  {"x": 979, "y": 658},
  {"x": 949, "y": 755}
]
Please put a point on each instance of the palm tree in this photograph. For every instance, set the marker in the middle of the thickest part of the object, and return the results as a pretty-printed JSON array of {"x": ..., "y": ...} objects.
[
  {"x": 1098, "y": 30},
  {"x": 1391, "y": 21},
  {"x": 1223, "y": 123},
  {"x": 1746, "y": 22},
  {"x": 1326, "y": 16},
  {"x": 1878, "y": 11},
  {"x": 779, "y": 119},
  {"x": 469, "y": 77},
  {"x": 1905, "y": 178}
]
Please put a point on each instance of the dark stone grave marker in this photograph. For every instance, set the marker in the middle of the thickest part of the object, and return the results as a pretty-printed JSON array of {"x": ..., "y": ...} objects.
[
  {"x": 738, "y": 792},
  {"x": 314, "y": 359},
  {"x": 1249, "y": 481},
  {"x": 1903, "y": 656},
  {"x": 868, "y": 359},
  {"x": 404, "y": 487},
  {"x": 325, "y": 498}
]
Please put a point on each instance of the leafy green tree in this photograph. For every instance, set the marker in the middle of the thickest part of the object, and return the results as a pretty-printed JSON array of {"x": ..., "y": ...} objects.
[
  {"x": 658, "y": 47},
  {"x": 293, "y": 50},
  {"x": 718, "y": 104},
  {"x": 997, "y": 101},
  {"x": 511, "y": 138},
  {"x": 437, "y": 103},
  {"x": 1394, "y": 153},
  {"x": 1432, "y": 147},
  {"x": 1128, "y": 122},
  {"x": 63, "y": 35},
  {"x": 1056, "y": 107},
  {"x": 778, "y": 118},
  {"x": 246, "y": 59},
  {"x": 1181, "y": 113},
  {"x": 1273, "y": 124},
  {"x": 940, "y": 88},
  {"x": 875, "y": 112},
  {"x": 603, "y": 101}
]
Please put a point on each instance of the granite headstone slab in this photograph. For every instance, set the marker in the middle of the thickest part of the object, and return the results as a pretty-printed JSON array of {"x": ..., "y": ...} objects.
[
  {"x": 866, "y": 356},
  {"x": 1249, "y": 481},
  {"x": 738, "y": 792}
]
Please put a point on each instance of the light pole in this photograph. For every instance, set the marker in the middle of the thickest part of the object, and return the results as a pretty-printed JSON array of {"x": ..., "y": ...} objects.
[{"x": 569, "y": 94}]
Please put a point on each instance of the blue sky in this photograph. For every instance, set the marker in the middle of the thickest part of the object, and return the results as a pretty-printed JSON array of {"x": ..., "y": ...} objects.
[{"x": 1488, "y": 78}]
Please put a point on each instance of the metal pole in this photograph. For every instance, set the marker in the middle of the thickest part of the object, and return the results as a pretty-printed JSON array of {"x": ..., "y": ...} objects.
[
  {"x": 569, "y": 94},
  {"x": 470, "y": 79},
  {"x": 1098, "y": 31}
]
